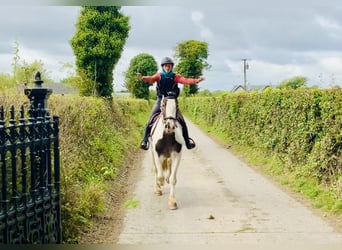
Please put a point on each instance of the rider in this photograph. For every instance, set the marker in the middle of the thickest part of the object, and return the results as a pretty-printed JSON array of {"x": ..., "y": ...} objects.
[{"x": 167, "y": 81}]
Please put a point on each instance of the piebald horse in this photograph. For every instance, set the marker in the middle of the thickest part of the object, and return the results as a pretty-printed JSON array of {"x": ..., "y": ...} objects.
[{"x": 166, "y": 145}]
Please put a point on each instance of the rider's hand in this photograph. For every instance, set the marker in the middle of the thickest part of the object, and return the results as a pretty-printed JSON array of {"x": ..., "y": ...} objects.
[
  {"x": 200, "y": 79},
  {"x": 139, "y": 75}
]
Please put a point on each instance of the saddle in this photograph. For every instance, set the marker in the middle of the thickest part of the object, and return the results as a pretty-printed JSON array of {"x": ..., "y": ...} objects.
[{"x": 155, "y": 117}]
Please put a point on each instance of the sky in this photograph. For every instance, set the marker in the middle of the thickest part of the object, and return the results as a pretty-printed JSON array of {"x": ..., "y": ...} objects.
[{"x": 279, "y": 39}]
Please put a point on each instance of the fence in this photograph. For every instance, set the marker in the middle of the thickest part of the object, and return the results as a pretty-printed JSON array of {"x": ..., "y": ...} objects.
[{"x": 30, "y": 174}]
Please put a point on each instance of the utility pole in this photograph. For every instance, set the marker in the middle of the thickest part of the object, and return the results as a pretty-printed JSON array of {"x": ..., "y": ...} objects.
[{"x": 245, "y": 67}]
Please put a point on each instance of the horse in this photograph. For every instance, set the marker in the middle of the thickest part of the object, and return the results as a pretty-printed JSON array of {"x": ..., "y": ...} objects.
[{"x": 166, "y": 142}]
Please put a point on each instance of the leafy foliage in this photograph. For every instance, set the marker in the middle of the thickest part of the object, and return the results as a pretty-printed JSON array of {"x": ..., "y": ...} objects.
[
  {"x": 144, "y": 64},
  {"x": 7, "y": 81},
  {"x": 23, "y": 72},
  {"x": 293, "y": 83},
  {"x": 96, "y": 138},
  {"x": 192, "y": 56},
  {"x": 97, "y": 44}
]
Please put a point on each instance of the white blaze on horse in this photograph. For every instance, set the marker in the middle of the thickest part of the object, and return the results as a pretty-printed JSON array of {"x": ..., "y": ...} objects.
[{"x": 166, "y": 145}]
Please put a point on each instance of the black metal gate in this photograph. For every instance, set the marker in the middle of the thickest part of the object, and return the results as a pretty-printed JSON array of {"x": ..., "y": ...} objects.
[{"x": 30, "y": 210}]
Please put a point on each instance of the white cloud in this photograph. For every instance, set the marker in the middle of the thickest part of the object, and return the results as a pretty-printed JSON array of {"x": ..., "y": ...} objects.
[
  {"x": 328, "y": 23},
  {"x": 207, "y": 34},
  {"x": 280, "y": 39},
  {"x": 332, "y": 27},
  {"x": 332, "y": 63},
  {"x": 197, "y": 17}
]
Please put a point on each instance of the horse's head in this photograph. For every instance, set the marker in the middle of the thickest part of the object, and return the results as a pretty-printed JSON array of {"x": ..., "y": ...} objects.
[{"x": 169, "y": 111}]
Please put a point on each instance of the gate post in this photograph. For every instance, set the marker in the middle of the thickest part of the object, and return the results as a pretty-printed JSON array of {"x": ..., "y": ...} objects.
[
  {"x": 38, "y": 95},
  {"x": 45, "y": 175}
]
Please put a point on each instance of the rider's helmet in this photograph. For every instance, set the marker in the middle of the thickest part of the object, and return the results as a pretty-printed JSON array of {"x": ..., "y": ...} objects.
[{"x": 167, "y": 60}]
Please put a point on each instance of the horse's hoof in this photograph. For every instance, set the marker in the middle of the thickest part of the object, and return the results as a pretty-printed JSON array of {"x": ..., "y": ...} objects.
[
  {"x": 172, "y": 204},
  {"x": 158, "y": 192}
]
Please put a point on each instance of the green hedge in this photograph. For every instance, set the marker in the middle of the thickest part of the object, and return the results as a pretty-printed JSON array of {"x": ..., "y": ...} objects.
[
  {"x": 97, "y": 139},
  {"x": 303, "y": 128}
]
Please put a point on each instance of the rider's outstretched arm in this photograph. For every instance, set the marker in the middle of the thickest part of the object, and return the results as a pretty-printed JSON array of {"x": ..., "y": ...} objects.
[
  {"x": 149, "y": 79},
  {"x": 183, "y": 80}
]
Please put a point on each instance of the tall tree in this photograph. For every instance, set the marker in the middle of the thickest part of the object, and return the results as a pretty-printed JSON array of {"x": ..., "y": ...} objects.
[
  {"x": 293, "y": 83},
  {"x": 101, "y": 33},
  {"x": 146, "y": 65},
  {"x": 192, "y": 56}
]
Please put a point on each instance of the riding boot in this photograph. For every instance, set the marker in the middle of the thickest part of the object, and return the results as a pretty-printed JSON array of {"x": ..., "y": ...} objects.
[
  {"x": 190, "y": 144},
  {"x": 144, "y": 143}
]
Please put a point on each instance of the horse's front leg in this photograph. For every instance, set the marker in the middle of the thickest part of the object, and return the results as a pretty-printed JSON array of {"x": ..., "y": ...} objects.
[
  {"x": 159, "y": 177},
  {"x": 176, "y": 157},
  {"x": 158, "y": 188}
]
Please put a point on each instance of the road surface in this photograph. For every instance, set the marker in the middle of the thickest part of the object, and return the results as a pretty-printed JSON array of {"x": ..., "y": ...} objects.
[{"x": 221, "y": 200}]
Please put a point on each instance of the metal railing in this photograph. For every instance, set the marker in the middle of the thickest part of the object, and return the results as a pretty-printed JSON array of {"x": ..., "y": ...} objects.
[{"x": 30, "y": 209}]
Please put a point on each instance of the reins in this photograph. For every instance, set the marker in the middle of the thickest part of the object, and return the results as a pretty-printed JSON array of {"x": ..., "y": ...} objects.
[
  {"x": 169, "y": 118},
  {"x": 162, "y": 116}
]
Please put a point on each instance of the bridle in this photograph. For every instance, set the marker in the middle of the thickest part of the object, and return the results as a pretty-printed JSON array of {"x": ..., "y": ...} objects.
[{"x": 163, "y": 109}]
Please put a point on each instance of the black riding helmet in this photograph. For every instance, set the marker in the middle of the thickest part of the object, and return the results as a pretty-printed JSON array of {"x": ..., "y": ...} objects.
[{"x": 167, "y": 60}]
